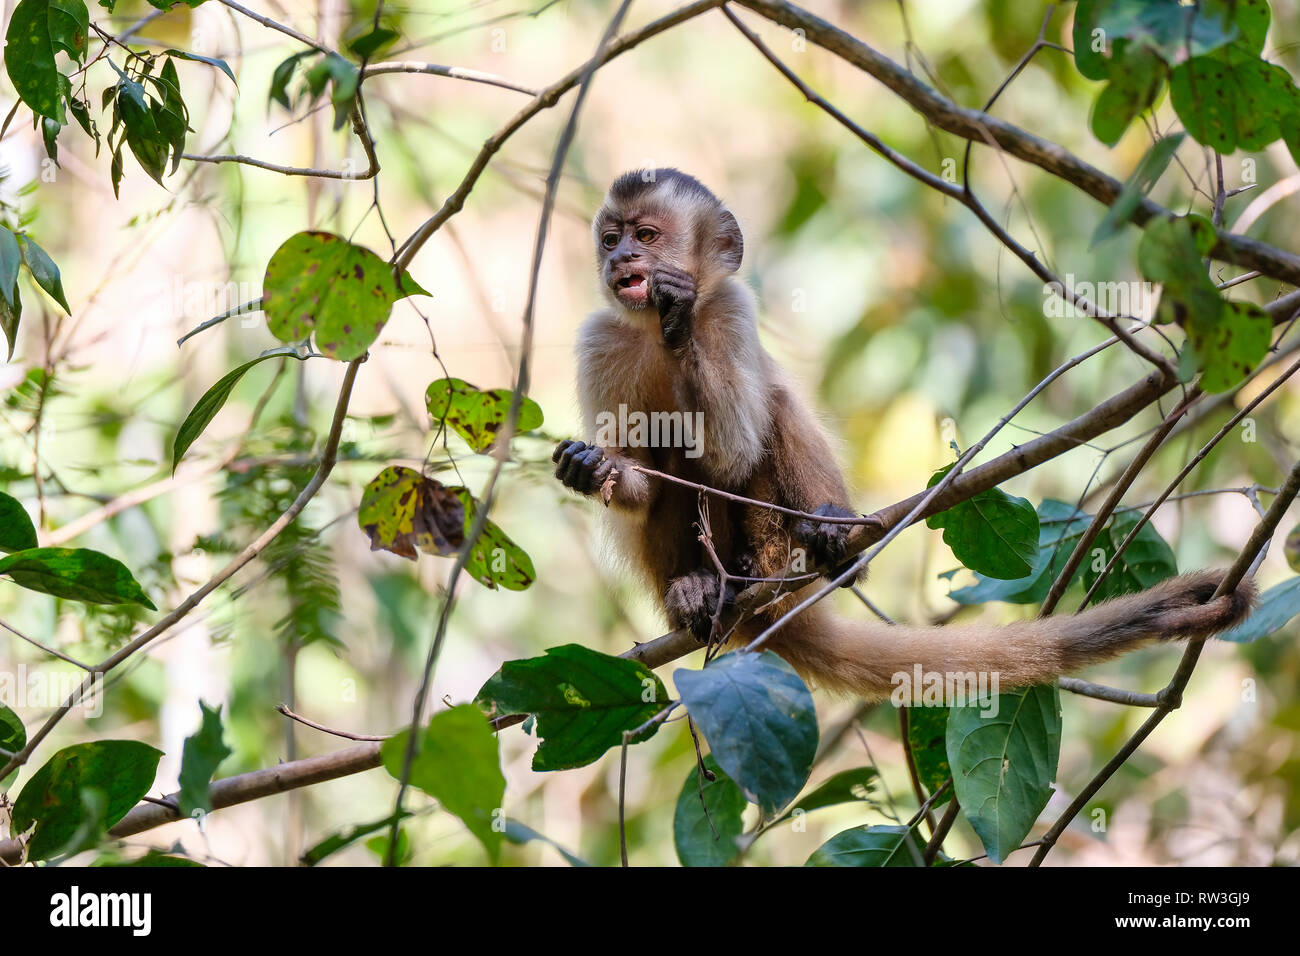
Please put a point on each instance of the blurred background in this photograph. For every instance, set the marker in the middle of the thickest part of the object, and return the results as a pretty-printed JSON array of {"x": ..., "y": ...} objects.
[{"x": 908, "y": 325}]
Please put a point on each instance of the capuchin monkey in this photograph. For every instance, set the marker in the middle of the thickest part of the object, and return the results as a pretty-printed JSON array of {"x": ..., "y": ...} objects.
[{"x": 680, "y": 336}]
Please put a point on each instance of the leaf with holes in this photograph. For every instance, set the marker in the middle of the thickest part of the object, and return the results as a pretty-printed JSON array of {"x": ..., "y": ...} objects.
[
  {"x": 705, "y": 833},
  {"x": 583, "y": 701},
  {"x": 478, "y": 416},
  {"x": 120, "y": 771},
  {"x": 758, "y": 718},
  {"x": 77, "y": 574},
  {"x": 402, "y": 510},
  {"x": 1003, "y": 753}
]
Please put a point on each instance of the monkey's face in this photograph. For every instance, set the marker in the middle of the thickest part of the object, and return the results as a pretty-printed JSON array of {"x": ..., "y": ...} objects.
[{"x": 630, "y": 247}]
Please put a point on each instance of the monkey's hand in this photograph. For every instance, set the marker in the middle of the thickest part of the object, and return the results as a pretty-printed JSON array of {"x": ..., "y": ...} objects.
[
  {"x": 580, "y": 466},
  {"x": 673, "y": 293},
  {"x": 692, "y": 600},
  {"x": 827, "y": 542}
]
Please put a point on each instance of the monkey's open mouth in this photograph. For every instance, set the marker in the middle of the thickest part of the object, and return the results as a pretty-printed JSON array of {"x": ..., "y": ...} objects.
[{"x": 632, "y": 289}]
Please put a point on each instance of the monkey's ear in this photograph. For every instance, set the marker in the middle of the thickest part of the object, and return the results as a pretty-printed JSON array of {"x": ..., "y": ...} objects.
[{"x": 731, "y": 244}]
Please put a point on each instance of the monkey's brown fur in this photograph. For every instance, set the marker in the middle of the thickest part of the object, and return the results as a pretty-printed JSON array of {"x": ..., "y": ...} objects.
[{"x": 680, "y": 335}]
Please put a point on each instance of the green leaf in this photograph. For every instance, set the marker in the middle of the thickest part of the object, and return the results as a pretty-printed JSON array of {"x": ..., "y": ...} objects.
[
  {"x": 927, "y": 733},
  {"x": 475, "y": 415},
  {"x": 457, "y": 764},
  {"x": 9, "y": 319},
  {"x": 152, "y": 858},
  {"x": 44, "y": 271},
  {"x": 1148, "y": 171},
  {"x": 13, "y": 738},
  {"x": 170, "y": 114},
  {"x": 319, "y": 281},
  {"x": 279, "y": 92},
  {"x": 200, "y": 758},
  {"x": 847, "y": 786},
  {"x": 1144, "y": 564},
  {"x": 1234, "y": 100},
  {"x": 17, "y": 533},
  {"x": 148, "y": 144},
  {"x": 221, "y": 65},
  {"x": 11, "y": 258},
  {"x": 758, "y": 717},
  {"x": 368, "y": 44},
  {"x": 1232, "y": 346},
  {"x": 694, "y": 830},
  {"x": 1089, "y": 61},
  {"x": 1003, "y": 763},
  {"x": 1169, "y": 29},
  {"x": 993, "y": 533},
  {"x": 870, "y": 846},
  {"x": 495, "y": 560},
  {"x": 122, "y": 771},
  {"x": 77, "y": 574},
  {"x": 1277, "y": 606},
  {"x": 520, "y": 834},
  {"x": 206, "y": 408},
  {"x": 1134, "y": 84},
  {"x": 39, "y": 29},
  {"x": 583, "y": 701}
]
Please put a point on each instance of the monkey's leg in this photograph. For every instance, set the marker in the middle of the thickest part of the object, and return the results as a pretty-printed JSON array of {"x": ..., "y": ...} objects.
[{"x": 692, "y": 599}]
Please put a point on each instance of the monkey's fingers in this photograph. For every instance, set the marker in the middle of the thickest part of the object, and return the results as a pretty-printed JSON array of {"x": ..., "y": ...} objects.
[
  {"x": 560, "y": 449},
  {"x": 564, "y": 456}
]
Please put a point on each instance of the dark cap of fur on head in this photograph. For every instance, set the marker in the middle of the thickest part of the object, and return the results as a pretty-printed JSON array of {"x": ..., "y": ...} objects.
[{"x": 637, "y": 182}]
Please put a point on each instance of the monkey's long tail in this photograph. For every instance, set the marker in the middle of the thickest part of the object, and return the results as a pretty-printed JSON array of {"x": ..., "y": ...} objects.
[{"x": 871, "y": 659}]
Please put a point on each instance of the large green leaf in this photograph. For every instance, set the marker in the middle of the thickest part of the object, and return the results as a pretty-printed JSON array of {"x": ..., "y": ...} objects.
[
  {"x": 993, "y": 533},
  {"x": 201, "y": 756},
  {"x": 39, "y": 29},
  {"x": 475, "y": 415},
  {"x": 1135, "y": 82},
  {"x": 1233, "y": 100},
  {"x": 1277, "y": 606},
  {"x": 17, "y": 533},
  {"x": 320, "y": 282},
  {"x": 122, "y": 771},
  {"x": 583, "y": 701},
  {"x": 1003, "y": 763},
  {"x": 78, "y": 574},
  {"x": 206, "y": 408},
  {"x": 870, "y": 846},
  {"x": 457, "y": 764},
  {"x": 758, "y": 717},
  {"x": 707, "y": 837}
]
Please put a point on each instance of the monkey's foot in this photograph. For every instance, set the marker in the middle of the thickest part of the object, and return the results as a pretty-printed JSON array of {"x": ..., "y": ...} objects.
[
  {"x": 692, "y": 600},
  {"x": 827, "y": 543},
  {"x": 673, "y": 293},
  {"x": 580, "y": 466}
]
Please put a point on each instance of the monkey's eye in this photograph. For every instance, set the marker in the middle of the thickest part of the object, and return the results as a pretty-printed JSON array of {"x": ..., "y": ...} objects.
[
  {"x": 646, "y": 234},
  {"x": 609, "y": 240}
]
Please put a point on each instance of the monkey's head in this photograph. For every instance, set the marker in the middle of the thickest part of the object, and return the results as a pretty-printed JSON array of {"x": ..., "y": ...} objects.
[{"x": 655, "y": 217}]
